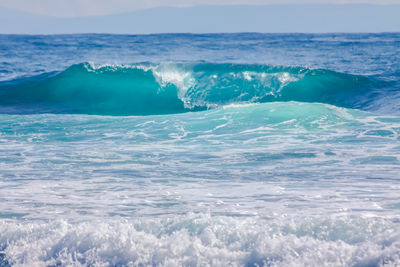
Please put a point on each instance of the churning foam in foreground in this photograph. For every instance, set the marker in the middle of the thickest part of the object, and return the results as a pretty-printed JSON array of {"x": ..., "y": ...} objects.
[
  {"x": 173, "y": 88},
  {"x": 204, "y": 240},
  {"x": 75, "y": 203}
]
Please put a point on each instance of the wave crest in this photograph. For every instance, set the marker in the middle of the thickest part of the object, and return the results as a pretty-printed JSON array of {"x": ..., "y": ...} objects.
[{"x": 142, "y": 89}]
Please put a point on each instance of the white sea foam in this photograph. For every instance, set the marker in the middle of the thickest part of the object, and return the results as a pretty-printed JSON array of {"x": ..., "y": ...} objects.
[
  {"x": 171, "y": 74},
  {"x": 280, "y": 184},
  {"x": 204, "y": 240},
  {"x": 92, "y": 67},
  {"x": 277, "y": 184}
]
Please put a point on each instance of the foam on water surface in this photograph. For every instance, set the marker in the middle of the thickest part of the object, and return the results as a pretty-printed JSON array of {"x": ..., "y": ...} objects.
[
  {"x": 198, "y": 240},
  {"x": 189, "y": 210},
  {"x": 200, "y": 150}
]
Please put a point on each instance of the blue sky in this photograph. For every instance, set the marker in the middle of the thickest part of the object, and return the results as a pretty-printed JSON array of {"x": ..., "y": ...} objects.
[
  {"x": 74, "y": 8},
  {"x": 198, "y": 16}
]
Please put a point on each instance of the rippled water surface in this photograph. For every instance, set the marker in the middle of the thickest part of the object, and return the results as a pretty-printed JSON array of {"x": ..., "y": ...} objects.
[{"x": 198, "y": 150}]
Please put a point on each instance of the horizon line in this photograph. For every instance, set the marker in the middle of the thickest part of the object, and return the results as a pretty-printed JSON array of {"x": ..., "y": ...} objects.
[
  {"x": 197, "y": 6},
  {"x": 203, "y": 33}
]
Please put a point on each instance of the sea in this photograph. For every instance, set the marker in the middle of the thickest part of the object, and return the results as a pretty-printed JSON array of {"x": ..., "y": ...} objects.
[{"x": 243, "y": 149}]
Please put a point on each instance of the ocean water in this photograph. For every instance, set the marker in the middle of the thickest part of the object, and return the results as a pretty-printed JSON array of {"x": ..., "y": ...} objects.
[{"x": 200, "y": 150}]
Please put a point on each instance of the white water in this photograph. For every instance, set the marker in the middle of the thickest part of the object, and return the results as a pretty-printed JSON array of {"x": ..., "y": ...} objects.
[{"x": 278, "y": 184}]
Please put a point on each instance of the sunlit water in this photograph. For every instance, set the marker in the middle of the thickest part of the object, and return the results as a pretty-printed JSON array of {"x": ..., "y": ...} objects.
[{"x": 198, "y": 150}]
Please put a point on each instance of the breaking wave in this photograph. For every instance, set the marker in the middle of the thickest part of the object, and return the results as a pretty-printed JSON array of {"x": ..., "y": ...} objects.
[{"x": 143, "y": 89}]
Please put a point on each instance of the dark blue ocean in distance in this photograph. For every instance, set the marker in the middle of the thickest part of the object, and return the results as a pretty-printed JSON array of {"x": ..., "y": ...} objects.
[{"x": 200, "y": 150}]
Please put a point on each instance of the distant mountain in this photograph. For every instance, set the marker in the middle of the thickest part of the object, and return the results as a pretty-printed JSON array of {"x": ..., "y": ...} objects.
[{"x": 211, "y": 19}]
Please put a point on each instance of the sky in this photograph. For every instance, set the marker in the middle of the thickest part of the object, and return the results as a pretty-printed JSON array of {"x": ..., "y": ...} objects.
[{"x": 78, "y": 8}]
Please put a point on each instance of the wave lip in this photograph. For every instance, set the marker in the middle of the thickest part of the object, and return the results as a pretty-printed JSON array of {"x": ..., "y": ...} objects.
[
  {"x": 144, "y": 89},
  {"x": 84, "y": 88}
]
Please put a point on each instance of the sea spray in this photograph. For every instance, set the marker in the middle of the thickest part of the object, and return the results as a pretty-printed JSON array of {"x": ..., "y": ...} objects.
[
  {"x": 222, "y": 149},
  {"x": 141, "y": 89}
]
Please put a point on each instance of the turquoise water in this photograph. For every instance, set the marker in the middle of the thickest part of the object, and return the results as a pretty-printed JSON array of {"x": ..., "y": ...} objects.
[
  {"x": 144, "y": 89},
  {"x": 198, "y": 150}
]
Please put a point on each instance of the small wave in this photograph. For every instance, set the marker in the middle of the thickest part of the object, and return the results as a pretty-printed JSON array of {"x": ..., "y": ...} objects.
[{"x": 143, "y": 89}]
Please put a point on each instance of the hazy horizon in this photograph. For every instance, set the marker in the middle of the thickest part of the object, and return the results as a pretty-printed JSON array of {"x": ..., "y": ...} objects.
[
  {"x": 82, "y": 8},
  {"x": 273, "y": 18}
]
